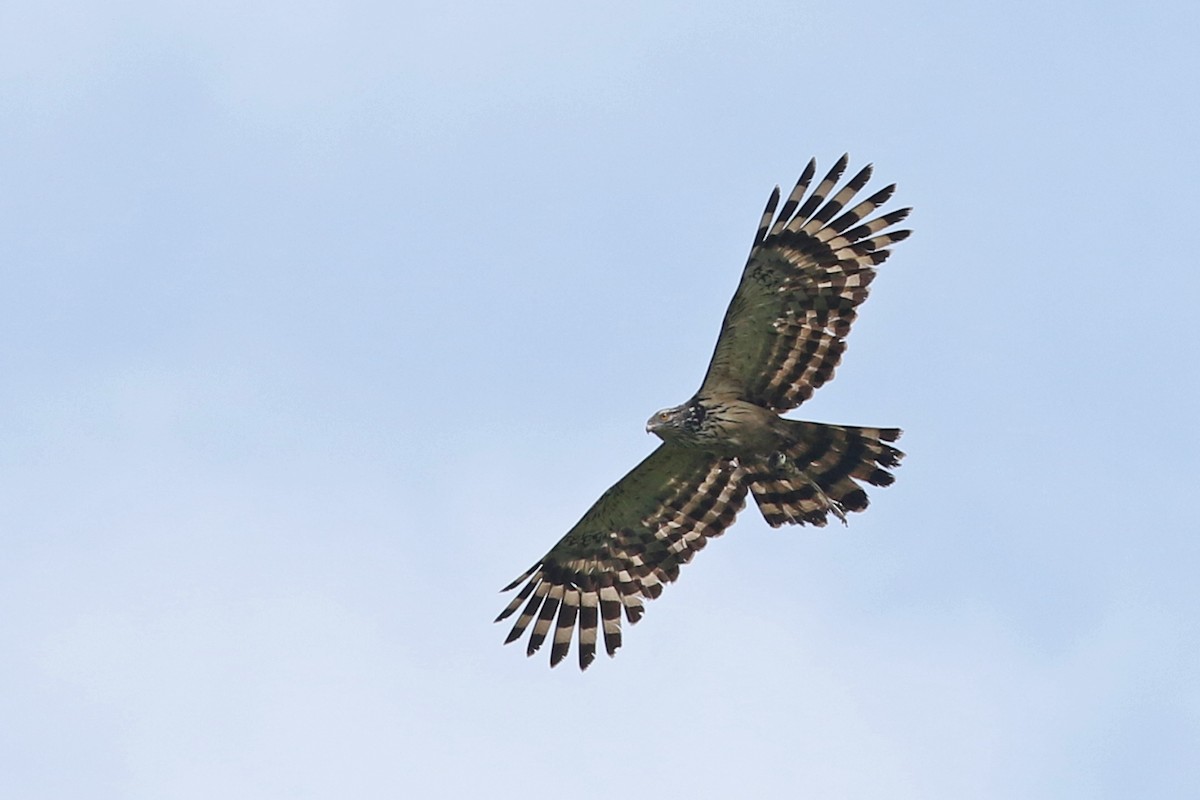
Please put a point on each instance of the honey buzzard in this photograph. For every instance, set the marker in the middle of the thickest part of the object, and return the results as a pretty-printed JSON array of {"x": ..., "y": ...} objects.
[{"x": 782, "y": 337}]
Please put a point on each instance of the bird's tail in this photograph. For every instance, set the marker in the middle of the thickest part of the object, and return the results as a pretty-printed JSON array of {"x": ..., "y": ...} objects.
[{"x": 819, "y": 471}]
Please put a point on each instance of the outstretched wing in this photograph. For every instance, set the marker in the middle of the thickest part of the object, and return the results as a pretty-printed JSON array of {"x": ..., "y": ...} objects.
[
  {"x": 626, "y": 547},
  {"x": 808, "y": 271}
]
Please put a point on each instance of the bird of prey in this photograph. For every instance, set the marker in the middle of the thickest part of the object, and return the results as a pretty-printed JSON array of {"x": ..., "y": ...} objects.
[{"x": 782, "y": 337}]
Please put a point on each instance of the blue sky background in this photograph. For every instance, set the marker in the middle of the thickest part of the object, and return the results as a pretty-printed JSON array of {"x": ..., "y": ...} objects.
[{"x": 322, "y": 321}]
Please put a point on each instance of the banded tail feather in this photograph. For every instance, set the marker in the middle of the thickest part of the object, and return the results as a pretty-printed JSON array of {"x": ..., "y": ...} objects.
[{"x": 822, "y": 473}]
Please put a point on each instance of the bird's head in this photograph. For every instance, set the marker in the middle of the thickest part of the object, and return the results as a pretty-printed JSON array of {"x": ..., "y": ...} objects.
[
  {"x": 663, "y": 422},
  {"x": 678, "y": 422}
]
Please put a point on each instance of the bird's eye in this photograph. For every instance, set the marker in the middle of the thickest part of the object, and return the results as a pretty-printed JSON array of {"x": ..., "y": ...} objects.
[{"x": 664, "y": 416}]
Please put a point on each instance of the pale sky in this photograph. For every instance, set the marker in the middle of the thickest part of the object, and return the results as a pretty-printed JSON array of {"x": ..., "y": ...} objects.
[{"x": 323, "y": 321}]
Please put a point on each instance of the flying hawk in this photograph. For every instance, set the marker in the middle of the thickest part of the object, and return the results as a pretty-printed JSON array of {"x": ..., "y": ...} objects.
[{"x": 782, "y": 337}]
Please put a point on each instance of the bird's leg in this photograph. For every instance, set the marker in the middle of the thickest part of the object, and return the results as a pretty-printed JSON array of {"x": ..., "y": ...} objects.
[{"x": 830, "y": 503}]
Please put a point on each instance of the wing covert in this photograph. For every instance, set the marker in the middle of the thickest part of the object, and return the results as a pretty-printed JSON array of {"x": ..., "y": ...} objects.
[
  {"x": 626, "y": 547},
  {"x": 808, "y": 271}
]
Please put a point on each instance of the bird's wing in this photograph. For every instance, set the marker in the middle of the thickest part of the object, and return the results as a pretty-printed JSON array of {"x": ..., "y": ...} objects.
[
  {"x": 808, "y": 271},
  {"x": 626, "y": 547}
]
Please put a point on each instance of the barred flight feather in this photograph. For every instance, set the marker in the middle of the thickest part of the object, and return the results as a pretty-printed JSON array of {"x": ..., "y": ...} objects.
[
  {"x": 768, "y": 213},
  {"x": 784, "y": 333},
  {"x": 623, "y": 551},
  {"x": 793, "y": 201},
  {"x": 818, "y": 195}
]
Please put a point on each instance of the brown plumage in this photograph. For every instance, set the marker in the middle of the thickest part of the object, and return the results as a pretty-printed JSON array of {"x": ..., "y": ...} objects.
[{"x": 782, "y": 337}]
